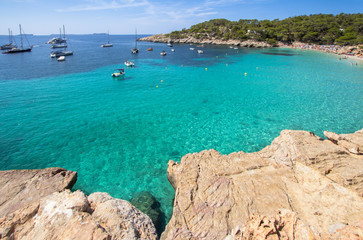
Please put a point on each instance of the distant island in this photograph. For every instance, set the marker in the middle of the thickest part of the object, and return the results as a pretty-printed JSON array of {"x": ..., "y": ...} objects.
[{"x": 322, "y": 29}]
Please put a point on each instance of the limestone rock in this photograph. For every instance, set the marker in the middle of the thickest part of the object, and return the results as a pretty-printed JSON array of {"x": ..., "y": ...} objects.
[
  {"x": 68, "y": 215},
  {"x": 351, "y": 142},
  {"x": 121, "y": 219},
  {"x": 284, "y": 225},
  {"x": 58, "y": 216},
  {"x": 19, "y": 188},
  {"x": 318, "y": 183}
]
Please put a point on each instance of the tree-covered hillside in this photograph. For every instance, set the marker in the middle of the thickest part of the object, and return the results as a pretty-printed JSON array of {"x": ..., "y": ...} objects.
[{"x": 344, "y": 29}]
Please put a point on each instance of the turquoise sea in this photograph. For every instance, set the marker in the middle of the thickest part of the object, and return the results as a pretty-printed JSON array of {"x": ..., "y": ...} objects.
[{"x": 120, "y": 134}]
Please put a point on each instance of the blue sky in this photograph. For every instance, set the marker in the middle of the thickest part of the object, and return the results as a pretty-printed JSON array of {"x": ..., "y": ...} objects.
[{"x": 150, "y": 16}]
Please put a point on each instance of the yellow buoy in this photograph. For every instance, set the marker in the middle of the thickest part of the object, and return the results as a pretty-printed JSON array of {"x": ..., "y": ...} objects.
[
  {"x": 227, "y": 64},
  {"x": 157, "y": 86},
  {"x": 206, "y": 69},
  {"x": 162, "y": 80},
  {"x": 245, "y": 74},
  {"x": 166, "y": 67}
]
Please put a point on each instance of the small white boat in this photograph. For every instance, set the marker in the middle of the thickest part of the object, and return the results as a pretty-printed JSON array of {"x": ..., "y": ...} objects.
[
  {"x": 163, "y": 53},
  {"x": 173, "y": 50},
  {"x": 129, "y": 64},
  {"x": 107, "y": 45},
  {"x": 61, "y": 58},
  {"x": 230, "y": 46},
  {"x": 118, "y": 73},
  {"x": 200, "y": 51},
  {"x": 235, "y": 48},
  {"x": 191, "y": 48},
  {"x": 170, "y": 45}
]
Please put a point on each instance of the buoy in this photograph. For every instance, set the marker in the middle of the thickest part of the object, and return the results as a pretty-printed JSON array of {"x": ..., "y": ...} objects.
[
  {"x": 182, "y": 65},
  {"x": 206, "y": 69},
  {"x": 166, "y": 67},
  {"x": 227, "y": 64},
  {"x": 256, "y": 67},
  {"x": 157, "y": 86},
  {"x": 245, "y": 74},
  {"x": 162, "y": 80}
]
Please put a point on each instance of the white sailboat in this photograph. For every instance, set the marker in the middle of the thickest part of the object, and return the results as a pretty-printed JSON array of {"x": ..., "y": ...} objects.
[
  {"x": 10, "y": 45},
  {"x": 135, "y": 49},
  {"x": 108, "y": 44}
]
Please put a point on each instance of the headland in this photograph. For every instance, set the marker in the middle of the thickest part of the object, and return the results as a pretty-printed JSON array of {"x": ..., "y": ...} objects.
[{"x": 299, "y": 187}]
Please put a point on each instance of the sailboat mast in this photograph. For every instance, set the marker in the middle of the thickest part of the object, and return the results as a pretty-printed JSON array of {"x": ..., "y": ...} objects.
[
  {"x": 60, "y": 33},
  {"x": 136, "y": 38},
  {"x": 108, "y": 33},
  {"x": 9, "y": 36},
  {"x": 64, "y": 33},
  {"x": 21, "y": 37}
]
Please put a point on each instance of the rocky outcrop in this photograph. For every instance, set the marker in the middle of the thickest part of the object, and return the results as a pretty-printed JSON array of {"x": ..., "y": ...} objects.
[
  {"x": 299, "y": 187},
  {"x": 19, "y": 188},
  {"x": 163, "y": 38},
  {"x": 68, "y": 215}
]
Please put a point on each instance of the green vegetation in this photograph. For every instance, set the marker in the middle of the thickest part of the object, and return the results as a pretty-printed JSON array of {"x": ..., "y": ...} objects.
[{"x": 344, "y": 29}]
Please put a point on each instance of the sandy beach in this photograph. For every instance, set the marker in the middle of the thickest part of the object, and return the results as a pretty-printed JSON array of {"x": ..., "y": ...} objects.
[{"x": 353, "y": 53}]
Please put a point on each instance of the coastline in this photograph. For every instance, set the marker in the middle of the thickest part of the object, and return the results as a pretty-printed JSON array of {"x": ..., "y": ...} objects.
[{"x": 354, "y": 53}]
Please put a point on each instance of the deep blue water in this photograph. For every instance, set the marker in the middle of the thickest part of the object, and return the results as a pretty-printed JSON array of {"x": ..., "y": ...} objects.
[{"x": 119, "y": 134}]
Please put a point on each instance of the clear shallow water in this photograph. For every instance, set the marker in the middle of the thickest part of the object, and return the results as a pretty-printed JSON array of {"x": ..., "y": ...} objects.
[{"x": 119, "y": 134}]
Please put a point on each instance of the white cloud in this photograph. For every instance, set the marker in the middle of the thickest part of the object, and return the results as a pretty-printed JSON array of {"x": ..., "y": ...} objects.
[{"x": 95, "y": 5}]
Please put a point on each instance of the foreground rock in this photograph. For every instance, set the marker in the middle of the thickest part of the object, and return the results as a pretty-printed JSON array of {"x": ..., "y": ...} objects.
[
  {"x": 68, "y": 215},
  {"x": 163, "y": 38},
  {"x": 19, "y": 188},
  {"x": 299, "y": 187}
]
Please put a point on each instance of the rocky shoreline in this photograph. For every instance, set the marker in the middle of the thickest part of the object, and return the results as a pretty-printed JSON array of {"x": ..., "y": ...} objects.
[
  {"x": 163, "y": 38},
  {"x": 299, "y": 187}
]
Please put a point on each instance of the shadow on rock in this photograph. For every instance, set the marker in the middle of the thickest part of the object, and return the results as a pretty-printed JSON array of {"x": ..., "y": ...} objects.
[{"x": 147, "y": 203}]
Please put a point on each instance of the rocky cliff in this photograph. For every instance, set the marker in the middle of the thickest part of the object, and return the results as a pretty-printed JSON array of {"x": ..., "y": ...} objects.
[
  {"x": 37, "y": 204},
  {"x": 163, "y": 38},
  {"x": 299, "y": 187}
]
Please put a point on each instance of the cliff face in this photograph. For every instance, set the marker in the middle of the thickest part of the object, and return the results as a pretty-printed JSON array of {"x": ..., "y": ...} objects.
[
  {"x": 163, "y": 38},
  {"x": 299, "y": 187}
]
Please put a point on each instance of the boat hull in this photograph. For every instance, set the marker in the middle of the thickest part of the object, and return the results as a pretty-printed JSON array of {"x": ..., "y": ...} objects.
[{"x": 17, "y": 50}]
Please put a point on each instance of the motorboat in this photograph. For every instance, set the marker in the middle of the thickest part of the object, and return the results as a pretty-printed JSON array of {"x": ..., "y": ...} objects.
[
  {"x": 59, "y": 53},
  {"x": 170, "y": 45},
  {"x": 56, "y": 40},
  {"x": 173, "y": 50},
  {"x": 118, "y": 73},
  {"x": 150, "y": 49},
  {"x": 61, "y": 58},
  {"x": 129, "y": 64},
  {"x": 200, "y": 51},
  {"x": 163, "y": 53},
  {"x": 191, "y": 48},
  {"x": 235, "y": 48}
]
